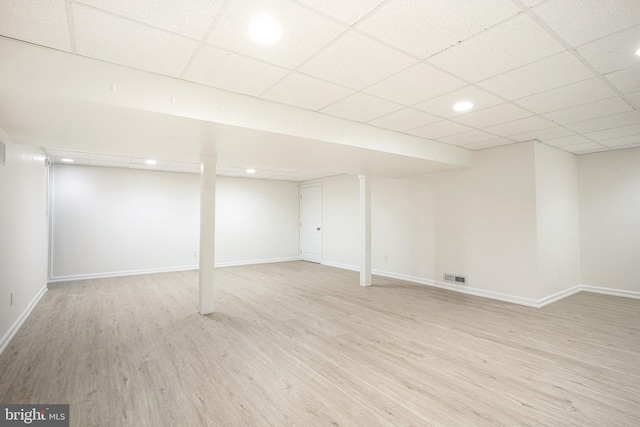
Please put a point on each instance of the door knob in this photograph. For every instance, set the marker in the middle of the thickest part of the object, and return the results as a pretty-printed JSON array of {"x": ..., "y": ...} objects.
[{"x": 318, "y": 228}]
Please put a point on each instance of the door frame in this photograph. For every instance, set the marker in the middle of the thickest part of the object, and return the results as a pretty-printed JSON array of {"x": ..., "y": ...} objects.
[{"x": 302, "y": 187}]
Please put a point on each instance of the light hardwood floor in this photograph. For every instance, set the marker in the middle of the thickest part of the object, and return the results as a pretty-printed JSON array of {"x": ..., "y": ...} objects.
[{"x": 299, "y": 344}]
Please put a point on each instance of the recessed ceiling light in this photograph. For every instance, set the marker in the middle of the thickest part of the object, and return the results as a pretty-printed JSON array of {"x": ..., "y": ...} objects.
[
  {"x": 265, "y": 30},
  {"x": 251, "y": 171},
  {"x": 638, "y": 52},
  {"x": 151, "y": 162},
  {"x": 67, "y": 160},
  {"x": 463, "y": 106}
]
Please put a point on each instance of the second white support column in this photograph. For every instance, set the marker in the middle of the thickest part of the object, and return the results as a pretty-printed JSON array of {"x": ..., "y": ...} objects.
[
  {"x": 365, "y": 230},
  {"x": 207, "y": 234}
]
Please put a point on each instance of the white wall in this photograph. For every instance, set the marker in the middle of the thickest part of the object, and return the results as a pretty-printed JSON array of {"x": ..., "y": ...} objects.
[
  {"x": 23, "y": 227},
  {"x": 558, "y": 218},
  {"x": 485, "y": 222},
  {"x": 114, "y": 221},
  {"x": 109, "y": 221},
  {"x": 256, "y": 220},
  {"x": 610, "y": 219},
  {"x": 403, "y": 228},
  {"x": 340, "y": 221},
  {"x": 478, "y": 222},
  {"x": 508, "y": 224}
]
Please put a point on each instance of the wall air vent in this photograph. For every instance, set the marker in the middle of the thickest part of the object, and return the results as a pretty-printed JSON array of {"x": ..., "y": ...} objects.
[
  {"x": 452, "y": 278},
  {"x": 2, "y": 153}
]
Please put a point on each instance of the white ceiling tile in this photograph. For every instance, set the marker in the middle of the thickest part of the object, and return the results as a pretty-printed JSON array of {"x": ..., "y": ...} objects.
[
  {"x": 286, "y": 169},
  {"x": 531, "y": 3},
  {"x": 624, "y": 141},
  {"x": 467, "y": 137},
  {"x": 592, "y": 110},
  {"x": 110, "y": 38},
  {"x": 303, "y": 32},
  {"x": 584, "y": 147},
  {"x": 635, "y": 98},
  {"x": 346, "y": 11},
  {"x": 109, "y": 158},
  {"x": 109, "y": 164},
  {"x": 567, "y": 140},
  {"x": 233, "y": 166},
  {"x": 356, "y": 61},
  {"x": 415, "y": 84},
  {"x": 603, "y": 135},
  {"x": 594, "y": 150},
  {"x": 567, "y": 96},
  {"x": 405, "y": 119},
  {"x": 549, "y": 73},
  {"x": 225, "y": 70},
  {"x": 68, "y": 154},
  {"x": 580, "y": 21},
  {"x": 520, "y": 126},
  {"x": 306, "y": 92},
  {"x": 188, "y": 17},
  {"x": 497, "y": 142},
  {"x": 622, "y": 147},
  {"x": 266, "y": 174},
  {"x": 614, "y": 52},
  {"x": 627, "y": 80},
  {"x": 424, "y": 28},
  {"x": 443, "y": 105},
  {"x": 361, "y": 107},
  {"x": 506, "y": 46},
  {"x": 542, "y": 134},
  {"x": 497, "y": 114},
  {"x": 617, "y": 120},
  {"x": 42, "y": 22},
  {"x": 440, "y": 129}
]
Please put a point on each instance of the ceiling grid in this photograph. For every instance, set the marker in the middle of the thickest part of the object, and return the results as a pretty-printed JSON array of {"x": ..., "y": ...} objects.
[{"x": 564, "y": 73}]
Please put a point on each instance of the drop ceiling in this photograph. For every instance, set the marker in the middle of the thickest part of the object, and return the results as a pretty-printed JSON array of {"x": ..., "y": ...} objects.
[
  {"x": 557, "y": 71},
  {"x": 236, "y": 170}
]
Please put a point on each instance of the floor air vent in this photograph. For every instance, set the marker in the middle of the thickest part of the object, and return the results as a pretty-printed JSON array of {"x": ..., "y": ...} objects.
[{"x": 458, "y": 280}]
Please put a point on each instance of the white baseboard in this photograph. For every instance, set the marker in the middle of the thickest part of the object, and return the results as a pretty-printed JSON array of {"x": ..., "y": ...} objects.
[
  {"x": 460, "y": 288},
  {"x": 256, "y": 261},
  {"x": 610, "y": 291},
  {"x": 558, "y": 296},
  {"x": 529, "y": 302},
  {"x": 165, "y": 269},
  {"x": 121, "y": 273},
  {"x": 8, "y": 336},
  {"x": 342, "y": 266}
]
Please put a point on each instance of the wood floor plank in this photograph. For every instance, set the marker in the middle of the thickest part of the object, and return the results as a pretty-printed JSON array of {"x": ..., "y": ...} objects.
[{"x": 301, "y": 344}]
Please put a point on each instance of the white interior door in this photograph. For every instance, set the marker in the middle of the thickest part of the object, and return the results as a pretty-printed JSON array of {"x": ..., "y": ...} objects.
[{"x": 311, "y": 223}]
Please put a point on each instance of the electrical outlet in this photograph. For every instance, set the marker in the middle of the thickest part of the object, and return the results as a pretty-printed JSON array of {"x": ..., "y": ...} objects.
[
  {"x": 386, "y": 257},
  {"x": 195, "y": 254}
]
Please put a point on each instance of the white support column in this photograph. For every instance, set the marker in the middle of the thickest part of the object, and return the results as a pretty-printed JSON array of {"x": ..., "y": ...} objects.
[
  {"x": 365, "y": 230},
  {"x": 207, "y": 234}
]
